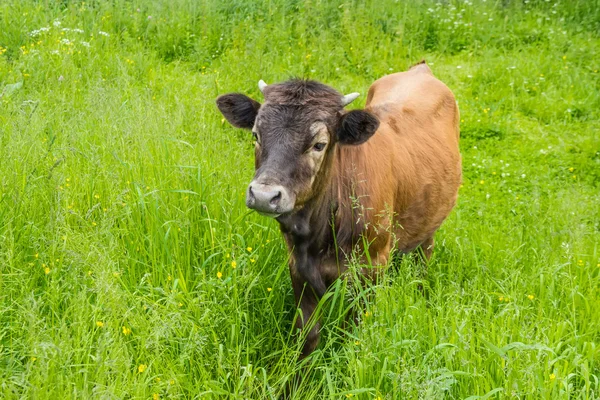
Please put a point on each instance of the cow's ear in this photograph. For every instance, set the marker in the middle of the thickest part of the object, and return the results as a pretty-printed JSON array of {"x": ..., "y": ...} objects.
[
  {"x": 356, "y": 127},
  {"x": 239, "y": 109}
]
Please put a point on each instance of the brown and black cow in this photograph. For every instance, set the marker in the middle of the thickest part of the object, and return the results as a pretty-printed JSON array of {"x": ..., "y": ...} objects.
[{"x": 335, "y": 180}]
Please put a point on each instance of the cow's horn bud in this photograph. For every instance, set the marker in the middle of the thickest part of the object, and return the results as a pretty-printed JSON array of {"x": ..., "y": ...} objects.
[
  {"x": 262, "y": 85},
  {"x": 349, "y": 98}
]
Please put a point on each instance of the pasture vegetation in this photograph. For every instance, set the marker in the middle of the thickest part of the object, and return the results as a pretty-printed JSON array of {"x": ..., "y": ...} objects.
[{"x": 131, "y": 268}]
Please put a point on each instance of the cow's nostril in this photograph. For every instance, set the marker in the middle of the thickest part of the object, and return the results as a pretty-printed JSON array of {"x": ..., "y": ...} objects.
[{"x": 275, "y": 200}]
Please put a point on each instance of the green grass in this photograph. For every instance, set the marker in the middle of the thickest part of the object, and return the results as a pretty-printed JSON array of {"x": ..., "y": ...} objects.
[{"x": 122, "y": 198}]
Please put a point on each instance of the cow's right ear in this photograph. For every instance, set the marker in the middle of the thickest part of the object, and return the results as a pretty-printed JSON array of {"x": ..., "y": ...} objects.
[{"x": 239, "y": 109}]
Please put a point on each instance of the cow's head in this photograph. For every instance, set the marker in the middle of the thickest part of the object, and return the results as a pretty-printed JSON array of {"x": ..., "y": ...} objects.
[{"x": 296, "y": 131}]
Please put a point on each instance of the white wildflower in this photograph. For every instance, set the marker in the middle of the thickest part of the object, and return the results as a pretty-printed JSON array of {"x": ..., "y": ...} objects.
[
  {"x": 56, "y": 23},
  {"x": 103, "y": 33},
  {"x": 38, "y": 31}
]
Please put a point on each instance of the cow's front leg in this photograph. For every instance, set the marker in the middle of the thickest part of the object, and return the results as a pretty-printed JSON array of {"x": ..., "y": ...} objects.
[{"x": 306, "y": 301}]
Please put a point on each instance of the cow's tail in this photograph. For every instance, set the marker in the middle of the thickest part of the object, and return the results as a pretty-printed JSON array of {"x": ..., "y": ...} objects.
[{"x": 421, "y": 66}]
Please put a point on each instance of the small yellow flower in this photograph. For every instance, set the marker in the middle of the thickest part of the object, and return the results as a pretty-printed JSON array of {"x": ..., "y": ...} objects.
[
  {"x": 33, "y": 359},
  {"x": 349, "y": 395},
  {"x": 93, "y": 223},
  {"x": 269, "y": 289},
  {"x": 126, "y": 331},
  {"x": 357, "y": 342},
  {"x": 268, "y": 240},
  {"x": 530, "y": 297},
  {"x": 552, "y": 377},
  {"x": 157, "y": 379},
  {"x": 47, "y": 270},
  {"x": 96, "y": 196},
  {"x": 180, "y": 304},
  {"x": 571, "y": 169},
  {"x": 172, "y": 382},
  {"x": 564, "y": 57},
  {"x": 142, "y": 368},
  {"x": 169, "y": 278},
  {"x": 155, "y": 396},
  {"x": 233, "y": 265},
  {"x": 580, "y": 262},
  {"x": 481, "y": 182},
  {"x": 219, "y": 275},
  {"x": 494, "y": 173},
  {"x": 252, "y": 260},
  {"x": 37, "y": 255},
  {"x": 574, "y": 176},
  {"x": 227, "y": 255},
  {"x": 249, "y": 249},
  {"x": 501, "y": 298},
  {"x": 99, "y": 324},
  {"x": 368, "y": 314}
]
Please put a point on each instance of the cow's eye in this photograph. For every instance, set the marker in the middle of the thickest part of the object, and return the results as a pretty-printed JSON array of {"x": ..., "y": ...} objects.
[
  {"x": 255, "y": 136},
  {"x": 319, "y": 146}
]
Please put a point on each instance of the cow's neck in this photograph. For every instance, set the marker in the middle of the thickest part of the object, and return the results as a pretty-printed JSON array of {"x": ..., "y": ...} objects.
[{"x": 309, "y": 230}]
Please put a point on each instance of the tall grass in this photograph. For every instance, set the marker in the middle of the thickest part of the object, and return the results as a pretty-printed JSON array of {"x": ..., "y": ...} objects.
[{"x": 130, "y": 267}]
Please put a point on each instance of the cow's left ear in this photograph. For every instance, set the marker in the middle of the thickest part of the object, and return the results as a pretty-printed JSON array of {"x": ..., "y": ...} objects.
[{"x": 356, "y": 127}]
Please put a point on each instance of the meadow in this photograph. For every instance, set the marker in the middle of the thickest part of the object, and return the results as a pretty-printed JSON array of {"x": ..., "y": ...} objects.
[{"x": 131, "y": 268}]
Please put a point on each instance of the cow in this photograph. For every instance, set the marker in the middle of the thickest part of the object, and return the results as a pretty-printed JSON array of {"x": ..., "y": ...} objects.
[{"x": 374, "y": 180}]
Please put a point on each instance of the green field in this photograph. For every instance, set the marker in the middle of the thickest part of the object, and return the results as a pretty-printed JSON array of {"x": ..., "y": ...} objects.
[{"x": 130, "y": 267}]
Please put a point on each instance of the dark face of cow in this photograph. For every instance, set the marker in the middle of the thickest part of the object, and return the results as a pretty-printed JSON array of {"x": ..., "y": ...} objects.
[{"x": 296, "y": 131}]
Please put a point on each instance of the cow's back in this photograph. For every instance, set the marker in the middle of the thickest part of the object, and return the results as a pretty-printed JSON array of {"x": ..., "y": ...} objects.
[{"x": 417, "y": 145}]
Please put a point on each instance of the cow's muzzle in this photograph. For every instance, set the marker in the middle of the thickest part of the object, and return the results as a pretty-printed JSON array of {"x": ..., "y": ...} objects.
[{"x": 269, "y": 200}]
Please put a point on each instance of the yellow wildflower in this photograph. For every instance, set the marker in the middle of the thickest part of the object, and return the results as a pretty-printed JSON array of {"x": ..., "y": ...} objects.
[
  {"x": 530, "y": 297},
  {"x": 142, "y": 368},
  {"x": 126, "y": 331},
  {"x": 155, "y": 396},
  {"x": 47, "y": 270},
  {"x": 481, "y": 182},
  {"x": 252, "y": 260},
  {"x": 249, "y": 249},
  {"x": 99, "y": 324},
  {"x": 368, "y": 314},
  {"x": 269, "y": 289},
  {"x": 233, "y": 265},
  {"x": 552, "y": 377},
  {"x": 219, "y": 275}
]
